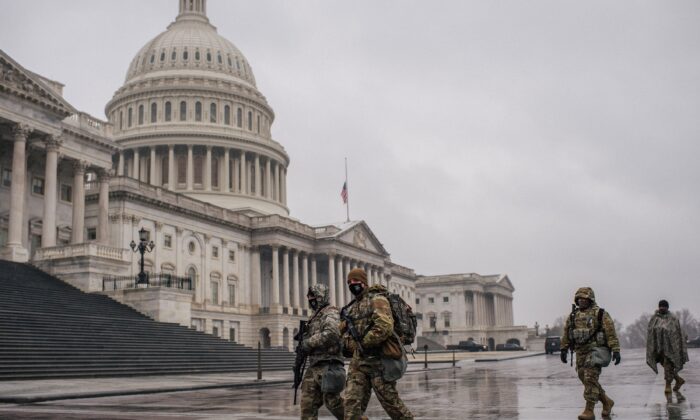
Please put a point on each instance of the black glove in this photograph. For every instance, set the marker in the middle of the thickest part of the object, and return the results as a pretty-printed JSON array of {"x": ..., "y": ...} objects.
[
  {"x": 616, "y": 357},
  {"x": 564, "y": 354}
]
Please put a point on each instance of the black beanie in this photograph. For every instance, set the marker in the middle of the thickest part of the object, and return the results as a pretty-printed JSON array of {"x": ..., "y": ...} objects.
[{"x": 663, "y": 303}]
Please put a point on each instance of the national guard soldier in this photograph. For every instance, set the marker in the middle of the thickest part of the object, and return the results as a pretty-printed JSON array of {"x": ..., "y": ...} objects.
[
  {"x": 325, "y": 377},
  {"x": 367, "y": 325},
  {"x": 590, "y": 332},
  {"x": 666, "y": 345}
]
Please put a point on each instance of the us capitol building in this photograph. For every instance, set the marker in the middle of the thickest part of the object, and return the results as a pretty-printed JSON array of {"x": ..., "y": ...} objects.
[{"x": 187, "y": 155}]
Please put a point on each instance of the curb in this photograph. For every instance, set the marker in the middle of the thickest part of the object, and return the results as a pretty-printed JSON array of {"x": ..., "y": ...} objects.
[{"x": 509, "y": 358}]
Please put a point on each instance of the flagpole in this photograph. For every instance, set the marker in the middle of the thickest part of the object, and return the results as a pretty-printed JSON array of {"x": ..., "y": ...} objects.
[{"x": 347, "y": 204}]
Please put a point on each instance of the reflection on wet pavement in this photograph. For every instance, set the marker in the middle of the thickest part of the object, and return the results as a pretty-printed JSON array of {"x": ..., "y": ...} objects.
[{"x": 532, "y": 388}]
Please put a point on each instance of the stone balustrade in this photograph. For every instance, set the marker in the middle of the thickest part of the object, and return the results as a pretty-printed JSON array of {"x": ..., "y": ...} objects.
[{"x": 81, "y": 250}]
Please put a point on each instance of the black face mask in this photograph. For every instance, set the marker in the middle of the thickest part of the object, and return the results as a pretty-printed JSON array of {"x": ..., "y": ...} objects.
[
  {"x": 313, "y": 303},
  {"x": 356, "y": 288}
]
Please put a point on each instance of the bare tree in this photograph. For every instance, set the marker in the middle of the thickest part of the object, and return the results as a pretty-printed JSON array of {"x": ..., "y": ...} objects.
[
  {"x": 557, "y": 327},
  {"x": 636, "y": 333},
  {"x": 689, "y": 325}
]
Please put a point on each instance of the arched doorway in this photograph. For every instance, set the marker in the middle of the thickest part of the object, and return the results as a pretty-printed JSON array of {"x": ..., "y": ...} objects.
[
  {"x": 513, "y": 341},
  {"x": 264, "y": 337},
  {"x": 492, "y": 344},
  {"x": 285, "y": 338}
]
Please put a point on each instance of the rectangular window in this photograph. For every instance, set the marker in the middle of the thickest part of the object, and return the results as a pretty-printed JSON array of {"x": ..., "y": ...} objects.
[
  {"x": 445, "y": 299},
  {"x": 232, "y": 334},
  {"x": 6, "y": 177},
  {"x": 232, "y": 294},
  {"x": 66, "y": 193},
  {"x": 215, "y": 251},
  {"x": 433, "y": 321},
  {"x": 417, "y": 301},
  {"x": 92, "y": 234},
  {"x": 447, "y": 321},
  {"x": 215, "y": 331},
  {"x": 215, "y": 292},
  {"x": 231, "y": 255},
  {"x": 168, "y": 241},
  {"x": 3, "y": 237},
  {"x": 431, "y": 300},
  {"x": 38, "y": 185}
]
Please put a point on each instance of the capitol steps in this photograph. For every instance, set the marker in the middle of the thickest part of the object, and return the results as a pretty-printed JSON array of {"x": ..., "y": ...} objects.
[{"x": 49, "y": 329}]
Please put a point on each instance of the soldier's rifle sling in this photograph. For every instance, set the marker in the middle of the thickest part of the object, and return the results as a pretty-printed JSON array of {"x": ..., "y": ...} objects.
[{"x": 572, "y": 321}]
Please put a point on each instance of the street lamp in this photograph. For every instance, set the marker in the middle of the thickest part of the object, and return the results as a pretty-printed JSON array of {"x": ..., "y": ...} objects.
[{"x": 143, "y": 246}]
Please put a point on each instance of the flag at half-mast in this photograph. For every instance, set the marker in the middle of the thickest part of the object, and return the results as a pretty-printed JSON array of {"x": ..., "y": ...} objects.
[{"x": 344, "y": 192}]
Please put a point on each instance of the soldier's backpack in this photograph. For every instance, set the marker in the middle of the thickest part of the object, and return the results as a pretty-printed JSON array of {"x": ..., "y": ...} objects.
[{"x": 405, "y": 322}]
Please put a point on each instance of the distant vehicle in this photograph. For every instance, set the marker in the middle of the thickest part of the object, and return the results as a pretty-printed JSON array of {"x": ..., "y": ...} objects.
[
  {"x": 552, "y": 344},
  {"x": 470, "y": 345},
  {"x": 512, "y": 347},
  {"x": 694, "y": 343}
]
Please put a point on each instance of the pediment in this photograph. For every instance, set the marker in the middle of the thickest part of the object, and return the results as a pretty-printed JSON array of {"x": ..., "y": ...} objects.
[
  {"x": 505, "y": 282},
  {"x": 361, "y": 236},
  {"x": 18, "y": 81}
]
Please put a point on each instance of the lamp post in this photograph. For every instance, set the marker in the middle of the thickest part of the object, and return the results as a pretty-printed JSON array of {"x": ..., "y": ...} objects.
[{"x": 143, "y": 246}]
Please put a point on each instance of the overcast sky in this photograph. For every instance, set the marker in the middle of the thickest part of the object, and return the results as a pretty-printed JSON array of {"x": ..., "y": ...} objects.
[{"x": 555, "y": 141}]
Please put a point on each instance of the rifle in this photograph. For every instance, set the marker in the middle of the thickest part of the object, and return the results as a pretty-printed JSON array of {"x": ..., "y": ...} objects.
[
  {"x": 351, "y": 327},
  {"x": 299, "y": 360},
  {"x": 570, "y": 332}
]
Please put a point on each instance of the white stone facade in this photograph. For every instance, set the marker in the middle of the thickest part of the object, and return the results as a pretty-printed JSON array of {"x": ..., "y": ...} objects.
[{"x": 187, "y": 154}]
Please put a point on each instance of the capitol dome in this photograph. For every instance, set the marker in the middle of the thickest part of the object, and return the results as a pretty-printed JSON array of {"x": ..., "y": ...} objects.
[{"x": 191, "y": 119}]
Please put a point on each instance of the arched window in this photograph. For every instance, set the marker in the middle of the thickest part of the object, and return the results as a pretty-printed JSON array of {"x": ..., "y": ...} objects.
[
  {"x": 227, "y": 115},
  {"x": 162, "y": 56},
  {"x": 196, "y": 55},
  {"x": 173, "y": 56},
  {"x": 238, "y": 64},
  {"x": 212, "y": 113},
  {"x": 121, "y": 120},
  {"x": 198, "y": 111},
  {"x": 154, "y": 112},
  {"x": 215, "y": 172},
  {"x": 140, "y": 114},
  {"x": 129, "y": 117},
  {"x": 164, "y": 175},
  {"x": 239, "y": 117},
  {"x": 182, "y": 169},
  {"x": 250, "y": 120},
  {"x": 185, "y": 55},
  {"x": 229, "y": 61},
  {"x": 183, "y": 111},
  {"x": 168, "y": 111},
  {"x": 209, "y": 56},
  {"x": 153, "y": 57},
  {"x": 218, "y": 58},
  {"x": 198, "y": 172},
  {"x": 258, "y": 124}
]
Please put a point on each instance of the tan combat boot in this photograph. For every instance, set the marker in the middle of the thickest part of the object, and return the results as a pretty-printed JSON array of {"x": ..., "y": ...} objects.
[
  {"x": 587, "y": 412},
  {"x": 667, "y": 390},
  {"x": 607, "y": 404},
  {"x": 679, "y": 383}
]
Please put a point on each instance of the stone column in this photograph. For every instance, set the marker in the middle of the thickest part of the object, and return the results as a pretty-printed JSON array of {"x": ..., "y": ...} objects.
[
  {"x": 136, "y": 170},
  {"x": 331, "y": 278},
  {"x": 48, "y": 227},
  {"x": 207, "y": 170},
  {"x": 346, "y": 291},
  {"x": 120, "y": 164},
  {"x": 152, "y": 174},
  {"x": 283, "y": 185},
  {"x": 258, "y": 183},
  {"x": 340, "y": 284},
  {"x": 276, "y": 182},
  {"x": 244, "y": 175},
  {"x": 256, "y": 291},
  {"x": 14, "y": 249},
  {"x": 78, "y": 202},
  {"x": 314, "y": 276},
  {"x": 224, "y": 182},
  {"x": 236, "y": 178},
  {"x": 157, "y": 251},
  {"x": 268, "y": 180},
  {"x": 103, "y": 209},
  {"x": 304, "y": 280},
  {"x": 172, "y": 164},
  {"x": 295, "y": 278},
  {"x": 190, "y": 168},
  {"x": 275, "y": 276},
  {"x": 285, "y": 278}
]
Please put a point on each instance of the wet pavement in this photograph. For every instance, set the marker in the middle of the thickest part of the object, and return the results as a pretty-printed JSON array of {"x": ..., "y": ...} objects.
[{"x": 531, "y": 388}]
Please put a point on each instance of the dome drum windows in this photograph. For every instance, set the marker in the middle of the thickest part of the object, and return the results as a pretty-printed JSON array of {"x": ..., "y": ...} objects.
[
  {"x": 198, "y": 111},
  {"x": 227, "y": 115},
  {"x": 196, "y": 55},
  {"x": 129, "y": 117},
  {"x": 239, "y": 118},
  {"x": 154, "y": 112},
  {"x": 183, "y": 111},
  {"x": 250, "y": 120},
  {"x": 141, "y": 112},
  {"x": 212, "y": 113},
  {"x": 185, "y": 55},
  {"x": 173, "y": 55},
  {"x": 208, "y": 56},
  {"x": 168, "y": 111}
]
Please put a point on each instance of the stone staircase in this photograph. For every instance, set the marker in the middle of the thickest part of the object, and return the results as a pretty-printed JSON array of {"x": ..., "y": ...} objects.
[{"x": 49, "y": 329}]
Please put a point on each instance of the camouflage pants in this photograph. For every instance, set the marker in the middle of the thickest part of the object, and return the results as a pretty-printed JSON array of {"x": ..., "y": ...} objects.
[
  {"x": 589, "y": 378},
  {"x": 312, "y": 398},
  {"x": 365, "y": 376},
  {"x": 669, "y": 370}
]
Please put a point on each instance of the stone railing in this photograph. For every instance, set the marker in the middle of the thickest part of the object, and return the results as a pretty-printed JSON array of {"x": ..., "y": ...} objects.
[
  {"x": 326, "y": 230},
  {"x": 89, "y": 123},
  {"x": 275, "y": 220},
  {"x": 81, "y": 250}
]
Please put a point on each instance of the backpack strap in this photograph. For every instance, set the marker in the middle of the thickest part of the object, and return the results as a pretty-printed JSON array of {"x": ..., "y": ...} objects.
[{"x": 601, "y": 312}]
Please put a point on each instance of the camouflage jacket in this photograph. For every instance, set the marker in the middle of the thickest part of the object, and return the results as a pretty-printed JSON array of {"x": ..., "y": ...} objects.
[
  {"x": 584, "y": 332},
  {"x": 322, "y": 336},
  {"x": 666, "y": 339},
  {"x": 371, "y": 314}
]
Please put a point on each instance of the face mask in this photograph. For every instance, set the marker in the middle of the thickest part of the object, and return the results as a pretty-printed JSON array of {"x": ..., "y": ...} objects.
[
  {"x": 313, "y": 303},
  {"x": 356, "y": 288},
  {"x": 663, "y": 310}
]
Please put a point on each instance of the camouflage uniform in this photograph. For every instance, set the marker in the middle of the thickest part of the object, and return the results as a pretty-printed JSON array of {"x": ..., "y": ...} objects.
[
  {"x": 586, "y": 325},
  {"x": 370, "y": 309},
  {"x": 322, "y": 344},
  {"x": 666, "y": 344}
]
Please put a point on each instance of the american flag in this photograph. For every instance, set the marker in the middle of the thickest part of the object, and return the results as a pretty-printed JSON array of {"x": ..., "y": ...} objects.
[{"x": 344, "y": 193}]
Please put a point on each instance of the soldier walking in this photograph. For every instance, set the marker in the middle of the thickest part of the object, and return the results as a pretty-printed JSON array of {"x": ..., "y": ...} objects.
[
  {"x": 370, "y": 317},
  {"x": 666, "y": 345},
  {"x": 325, "y": 377},
  {"x": 590, "y": 332}
]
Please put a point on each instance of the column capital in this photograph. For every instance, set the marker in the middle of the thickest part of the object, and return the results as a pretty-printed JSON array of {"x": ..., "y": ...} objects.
[
  {"x": 171, "y": 147},
  {"x": 80, "y": 166},
  {"x": 179, "y": 230},
  {"x": 104, "y": 175},
  {"x": 209, "y": 147},
  {"x": 158, "y": 225},
  {"x": 53, "y": 142},
  {"x": 21, "y": 131}
]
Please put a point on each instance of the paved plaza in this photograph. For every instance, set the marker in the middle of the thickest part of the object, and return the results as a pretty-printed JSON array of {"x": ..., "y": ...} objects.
[{"x": 530, "y": 388}]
